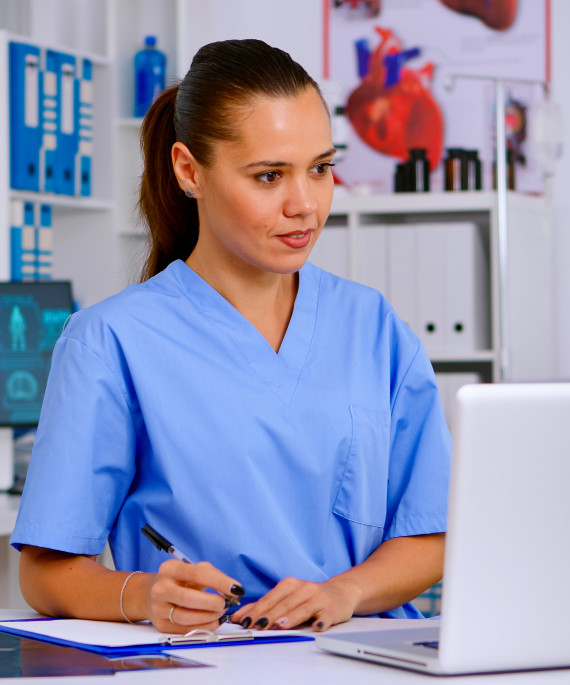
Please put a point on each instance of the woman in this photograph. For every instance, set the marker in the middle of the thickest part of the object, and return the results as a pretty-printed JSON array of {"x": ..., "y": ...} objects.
[{"x": 278, "y": 424}]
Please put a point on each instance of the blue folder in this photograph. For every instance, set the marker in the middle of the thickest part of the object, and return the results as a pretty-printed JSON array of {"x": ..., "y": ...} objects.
[
  {"x": 50, "y": 120},
  {"x": 84, "y": 127},
  {"x": 25, "y": 125},
  {"x": 67, "y": 138},
  {"x": 35, "y": 632}
]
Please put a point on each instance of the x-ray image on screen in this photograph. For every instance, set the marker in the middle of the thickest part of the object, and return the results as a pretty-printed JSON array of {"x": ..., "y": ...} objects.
[{"x": 32, "y": 316}]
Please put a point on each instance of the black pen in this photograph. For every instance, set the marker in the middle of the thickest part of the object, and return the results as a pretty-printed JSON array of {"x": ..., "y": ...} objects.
[{"x": 163, "y": 544}]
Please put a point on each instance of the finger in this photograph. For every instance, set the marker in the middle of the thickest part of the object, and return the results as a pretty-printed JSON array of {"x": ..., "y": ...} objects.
[
  {"x": 202, "y": 575},
  {"x": 279, "y": 603}
]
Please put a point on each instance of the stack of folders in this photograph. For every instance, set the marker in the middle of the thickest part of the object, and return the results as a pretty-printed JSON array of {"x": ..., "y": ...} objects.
[
  {"x": 31, "y": 242},
  {"x": 51, "y": 120}
]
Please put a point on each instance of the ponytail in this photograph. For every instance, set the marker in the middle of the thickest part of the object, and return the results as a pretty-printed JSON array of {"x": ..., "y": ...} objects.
[{"x": 170, "y": 217}]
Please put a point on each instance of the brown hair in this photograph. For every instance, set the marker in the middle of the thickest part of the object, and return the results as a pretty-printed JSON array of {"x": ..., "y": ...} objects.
[{"x": 199, "y": 111}]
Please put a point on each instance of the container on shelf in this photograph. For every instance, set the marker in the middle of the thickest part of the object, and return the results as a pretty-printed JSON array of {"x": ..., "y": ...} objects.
[{"x": 150, "y": 75}]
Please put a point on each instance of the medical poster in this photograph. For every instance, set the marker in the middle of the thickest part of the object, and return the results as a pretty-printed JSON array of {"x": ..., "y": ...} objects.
[{"x": 419, "y": 74}]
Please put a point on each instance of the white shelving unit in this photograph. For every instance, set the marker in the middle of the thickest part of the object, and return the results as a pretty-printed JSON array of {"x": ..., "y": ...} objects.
[{"x": 527, "y": 281}]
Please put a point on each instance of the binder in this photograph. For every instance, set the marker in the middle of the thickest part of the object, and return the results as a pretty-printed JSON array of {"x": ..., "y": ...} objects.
[
  {"x": 403, "y": 273},
  {"x": 430, "y": 285},
  {"x": 44, "y": 245},
  {"x": 25, "y": 129},
  {"x": 67, "y": 137},
  {"x": 372, "y": 257},
  {"x": 16, "y": 227},
  {"x": 28, "y": 243},
  {"x": 467, "y": 298},
  {"x": 84, "y": 127},
  {"x": 50, "y": 121},
  {"x": 122, "y": 639},
  {"x": 331, "y": 251}
]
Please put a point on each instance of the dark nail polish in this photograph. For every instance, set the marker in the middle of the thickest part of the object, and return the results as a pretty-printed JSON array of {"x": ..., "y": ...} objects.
[
  {"x": 237, "y": 590},
  {"x": 261, "y": 623},
  {"x": 223, "y": 619},
  {"x": 246, "y": 622},
  {"x": 320, "y": 625}
]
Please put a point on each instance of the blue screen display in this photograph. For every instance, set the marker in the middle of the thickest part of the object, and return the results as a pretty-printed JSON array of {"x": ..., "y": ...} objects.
[{"x": 32, "y": 316}]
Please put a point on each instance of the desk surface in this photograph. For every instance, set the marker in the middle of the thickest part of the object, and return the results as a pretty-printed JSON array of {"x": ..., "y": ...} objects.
[{"x": 297, "y": 663}]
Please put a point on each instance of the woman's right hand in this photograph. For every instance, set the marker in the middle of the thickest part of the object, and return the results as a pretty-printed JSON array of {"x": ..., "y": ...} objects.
[{"x": 178, "y": 600}]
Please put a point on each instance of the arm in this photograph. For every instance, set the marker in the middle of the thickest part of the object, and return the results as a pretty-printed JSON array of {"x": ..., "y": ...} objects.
[
  {"x": 396, "y": 572},
  {"x": 76, "y": 586}
]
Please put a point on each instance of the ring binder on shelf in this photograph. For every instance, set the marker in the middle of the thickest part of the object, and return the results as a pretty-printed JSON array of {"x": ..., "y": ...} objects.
[
  {"x": 50, "y": 122},
  {"x": 25, "y": 129},
  {"x": 67, "y": 132},
  {"x": 84, "y": 127}
]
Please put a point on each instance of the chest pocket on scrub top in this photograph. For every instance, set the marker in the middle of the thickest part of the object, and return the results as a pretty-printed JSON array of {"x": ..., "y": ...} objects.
[{"x": 361, "y": 497}]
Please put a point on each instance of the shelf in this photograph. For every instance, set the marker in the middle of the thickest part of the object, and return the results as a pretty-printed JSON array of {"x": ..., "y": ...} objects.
[
  {"x": 63, "y": 201},
  {"x": 8, "y": 511},
  {"x": 426, "y": 203},
  {"x": 129, "y": 123}
]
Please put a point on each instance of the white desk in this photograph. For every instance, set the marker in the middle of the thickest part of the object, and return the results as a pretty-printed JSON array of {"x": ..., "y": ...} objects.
[{"x": 296, "y": 664}]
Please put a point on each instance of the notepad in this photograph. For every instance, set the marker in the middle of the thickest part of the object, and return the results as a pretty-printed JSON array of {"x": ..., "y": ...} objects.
[{"x": 109, "y": 637}]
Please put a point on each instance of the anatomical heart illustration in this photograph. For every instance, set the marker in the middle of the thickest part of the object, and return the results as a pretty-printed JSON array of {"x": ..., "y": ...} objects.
[
  {"x": 392, "y": 109},
  {"x": 496, "y": 14}
]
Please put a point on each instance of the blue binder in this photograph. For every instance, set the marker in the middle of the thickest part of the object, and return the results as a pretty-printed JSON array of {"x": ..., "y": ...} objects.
[
  {"x": 28, "y": 243},
  {"x": 16, "y": 225},
  {"x": 50, "y": 121},
  {"x": 44, "y": 245},
  {"x": 25, "y": 129},
  {"x": 84, "y": 124},
  {"x": 67, "y": 137}
]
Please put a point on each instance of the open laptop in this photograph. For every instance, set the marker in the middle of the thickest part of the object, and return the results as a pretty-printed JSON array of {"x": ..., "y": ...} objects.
[{"x": 506, "y": 587}]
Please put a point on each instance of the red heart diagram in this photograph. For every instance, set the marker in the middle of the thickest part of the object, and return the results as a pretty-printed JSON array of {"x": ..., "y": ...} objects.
[
  {"x": 496, "y": 14},
  {"x": 393, "y": 109}
]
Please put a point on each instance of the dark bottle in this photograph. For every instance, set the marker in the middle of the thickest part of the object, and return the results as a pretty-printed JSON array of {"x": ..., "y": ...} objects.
[
  {"x": 472, "y": 165},
  {"x": 455, "y": 177},
  {"x": 510, "y": 171},
  {"x": 418, "y": 169}
]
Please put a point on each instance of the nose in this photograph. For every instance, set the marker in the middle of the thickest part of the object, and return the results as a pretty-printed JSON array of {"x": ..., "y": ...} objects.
[{"x": 301, "y": 199}]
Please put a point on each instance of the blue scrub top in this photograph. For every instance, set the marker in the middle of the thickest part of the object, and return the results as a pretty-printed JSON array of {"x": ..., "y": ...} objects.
[{"x": 166, "y": 406}]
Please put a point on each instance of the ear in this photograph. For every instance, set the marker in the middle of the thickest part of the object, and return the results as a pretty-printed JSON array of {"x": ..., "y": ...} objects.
[{"x": 186, "y": 169}]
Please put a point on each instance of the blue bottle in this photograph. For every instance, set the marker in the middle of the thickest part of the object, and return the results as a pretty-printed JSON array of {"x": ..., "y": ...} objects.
[{"x": 150, "y": 74}]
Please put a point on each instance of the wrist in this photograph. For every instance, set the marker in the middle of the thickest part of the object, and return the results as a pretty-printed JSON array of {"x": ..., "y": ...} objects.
[{"x": 134, "y": 600}]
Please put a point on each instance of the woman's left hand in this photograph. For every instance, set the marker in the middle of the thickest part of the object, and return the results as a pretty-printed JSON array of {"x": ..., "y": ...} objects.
[{"x": 293, "y": 602}]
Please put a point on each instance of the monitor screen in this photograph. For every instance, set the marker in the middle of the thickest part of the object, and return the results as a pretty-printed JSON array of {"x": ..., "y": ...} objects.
[{"x": 32, "y": 316}]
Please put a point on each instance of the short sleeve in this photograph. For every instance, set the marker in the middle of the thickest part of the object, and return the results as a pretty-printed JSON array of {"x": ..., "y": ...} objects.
[
  {"x": 420, "y": 455},
  {"x": 83, "y": 460}
]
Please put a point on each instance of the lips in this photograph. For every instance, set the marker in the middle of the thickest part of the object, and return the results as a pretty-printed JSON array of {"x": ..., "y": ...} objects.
[{"x": 296, "y": 239}]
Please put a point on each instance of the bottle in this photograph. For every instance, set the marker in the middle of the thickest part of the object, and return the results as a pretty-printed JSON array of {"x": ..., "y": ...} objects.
[
  {"x": 150, "y": 75},
  {"x": 419, "y": 171},
  {"x": 453, "y": 169},
  {"x": 473, "y": 169}
]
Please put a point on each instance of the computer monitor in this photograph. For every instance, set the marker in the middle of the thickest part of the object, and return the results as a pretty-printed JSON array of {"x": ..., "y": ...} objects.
[{"x": 32, "y": 316}]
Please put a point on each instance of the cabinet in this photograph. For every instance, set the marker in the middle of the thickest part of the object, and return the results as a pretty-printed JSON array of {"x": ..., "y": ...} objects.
[{"x": 370, "y": 239}]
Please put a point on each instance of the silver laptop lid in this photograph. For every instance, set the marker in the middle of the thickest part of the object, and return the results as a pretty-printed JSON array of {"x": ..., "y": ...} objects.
[{"x": 506, "y": 595}]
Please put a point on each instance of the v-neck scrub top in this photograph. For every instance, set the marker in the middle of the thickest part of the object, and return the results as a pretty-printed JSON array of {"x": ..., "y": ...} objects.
[{"x": 166, "y": 406}]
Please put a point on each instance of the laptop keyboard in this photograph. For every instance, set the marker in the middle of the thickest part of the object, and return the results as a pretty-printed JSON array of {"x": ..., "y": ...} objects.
[{"x": 431, "y": 644}]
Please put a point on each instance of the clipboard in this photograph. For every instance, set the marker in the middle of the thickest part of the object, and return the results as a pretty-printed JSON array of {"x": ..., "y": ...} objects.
[{"x": 110, "y": 638}]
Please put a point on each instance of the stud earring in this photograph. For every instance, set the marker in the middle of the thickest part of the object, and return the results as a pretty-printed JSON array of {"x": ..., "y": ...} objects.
[{"x": 189, "y": 192}]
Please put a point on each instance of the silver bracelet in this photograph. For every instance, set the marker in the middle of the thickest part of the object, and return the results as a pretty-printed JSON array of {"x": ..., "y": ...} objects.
[{"x": 123, "y": 592}]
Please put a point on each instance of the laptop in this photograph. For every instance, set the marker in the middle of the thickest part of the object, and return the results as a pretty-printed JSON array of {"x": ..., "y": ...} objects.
[{"x": 506, "y": 589}]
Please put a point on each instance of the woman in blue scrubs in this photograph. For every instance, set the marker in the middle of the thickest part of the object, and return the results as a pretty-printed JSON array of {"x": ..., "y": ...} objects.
[{"x": 279, "y": 425}]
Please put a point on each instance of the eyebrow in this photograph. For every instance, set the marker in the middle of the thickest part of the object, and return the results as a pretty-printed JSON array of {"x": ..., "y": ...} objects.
[{"x": 277, "y": 163}]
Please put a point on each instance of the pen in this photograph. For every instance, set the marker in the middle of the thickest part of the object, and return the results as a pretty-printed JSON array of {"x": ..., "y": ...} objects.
[{"x": 163, "y": 544}]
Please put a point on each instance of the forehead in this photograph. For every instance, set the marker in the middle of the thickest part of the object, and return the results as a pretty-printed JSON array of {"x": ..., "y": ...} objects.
[{"x": 270, "y": 127}]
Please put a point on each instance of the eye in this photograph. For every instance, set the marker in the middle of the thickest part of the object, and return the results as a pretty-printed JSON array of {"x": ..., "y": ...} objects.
[
  {"x": 322, "y": 168},
  {"x": 268, "y": 177}
]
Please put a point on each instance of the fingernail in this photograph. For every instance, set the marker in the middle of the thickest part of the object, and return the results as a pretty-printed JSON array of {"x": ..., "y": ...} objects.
[
  {"x": 320, "y": 625},
  {"x": 237, "y": 590},
  {"x": 246, "y": 622},
  {"x": 223, "y": 619},
  {"x": 261, "y": 623},
  {"x": 229, "y": 603}
]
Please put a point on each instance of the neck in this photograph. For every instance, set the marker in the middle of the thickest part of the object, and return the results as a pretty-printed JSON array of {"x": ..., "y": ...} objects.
[{"x": 265, "y": 299}]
